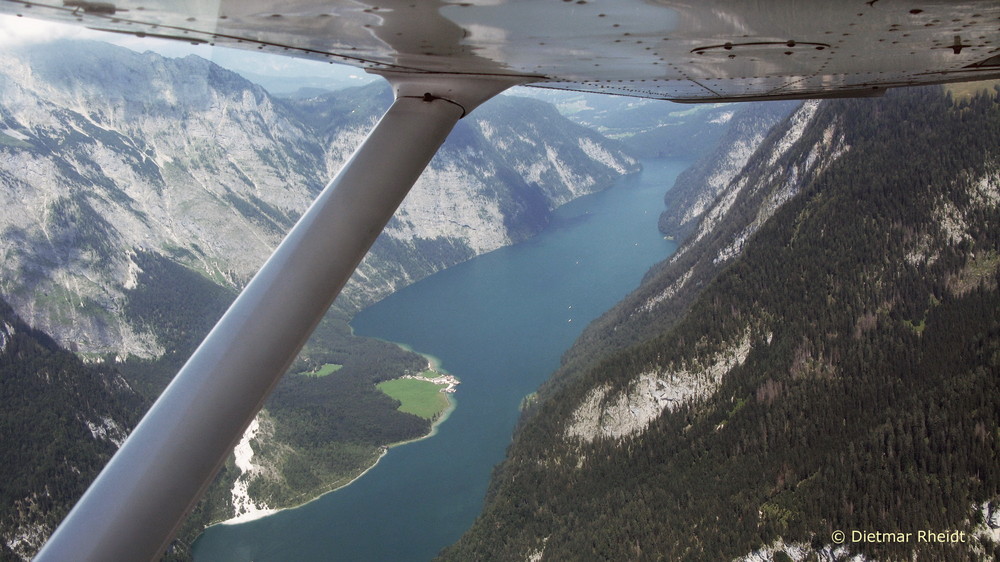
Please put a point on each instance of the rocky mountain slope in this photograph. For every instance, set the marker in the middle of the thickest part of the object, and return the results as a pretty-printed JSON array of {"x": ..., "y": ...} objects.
[
  {"x": 139, "y": 193},
  {"x": 107, "y": 153},
  {"x": 648, "y": 128},
  {"x": 820, "y": 356},
  {"x": 700, "y": 185}
]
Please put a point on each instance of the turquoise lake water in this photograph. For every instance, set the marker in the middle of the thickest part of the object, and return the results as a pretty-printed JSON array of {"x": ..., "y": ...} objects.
[{"x": 499, "y": 323}]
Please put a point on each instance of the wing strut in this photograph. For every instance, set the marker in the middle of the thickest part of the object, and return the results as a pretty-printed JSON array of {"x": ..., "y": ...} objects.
[{"x": 137, "y": 503}]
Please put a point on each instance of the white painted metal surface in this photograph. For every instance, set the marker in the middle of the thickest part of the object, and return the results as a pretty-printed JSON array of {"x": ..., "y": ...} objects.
[
  {"x": 133, "y": 509},
  {"x": 685, "y": 50}
]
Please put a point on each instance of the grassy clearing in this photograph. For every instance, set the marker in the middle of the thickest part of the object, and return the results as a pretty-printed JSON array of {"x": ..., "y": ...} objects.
[
  {"x": 423, "y": 399},
  {"x": 326, "y": 369},
  {"x": 964, "y": 91}
]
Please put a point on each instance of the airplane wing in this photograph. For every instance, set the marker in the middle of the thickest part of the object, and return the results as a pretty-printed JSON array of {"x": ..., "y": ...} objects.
[
  {"x": 444, "y": 57},
  {"x": 686, "y": 50}
]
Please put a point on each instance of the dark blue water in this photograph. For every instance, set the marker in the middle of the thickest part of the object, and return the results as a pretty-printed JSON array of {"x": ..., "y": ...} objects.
[{"x": 500, "y": 323}]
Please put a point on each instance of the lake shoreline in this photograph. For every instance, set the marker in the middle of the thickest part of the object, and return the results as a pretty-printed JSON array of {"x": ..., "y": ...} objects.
[
  {"x": 502, "y": 320},
  {"x": 434, "y": 364}
]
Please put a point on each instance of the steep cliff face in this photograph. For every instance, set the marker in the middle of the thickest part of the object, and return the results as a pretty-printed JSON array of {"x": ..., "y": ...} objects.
[
  {"x": 715, "y": 206},
  {"x": 821, "y": 355},
  {"x": 492, "y": 184},
  {"x": 107, "y": 152},
  {"x": 114, "y": 152},
  {"x": 700, "y": 185}
]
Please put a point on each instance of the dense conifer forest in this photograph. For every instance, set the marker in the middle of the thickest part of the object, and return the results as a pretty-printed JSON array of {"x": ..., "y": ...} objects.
[
  {"x": 62, "y": 419},
  {"x": 60, "y": 422},
  {"x": 869, "y": 399},
  {"x": 325, "y": 429}
]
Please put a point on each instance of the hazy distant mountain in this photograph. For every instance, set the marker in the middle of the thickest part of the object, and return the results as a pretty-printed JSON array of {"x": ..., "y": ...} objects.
[
  {"x": 648, "y": 128},
  {"x": 296, "y": 86},
  {"x": 697, "y": 188},
  {"x": 107, "y": 153},
  {"x": 821, "y": 355},
  {"x": 305, "y": 93}
]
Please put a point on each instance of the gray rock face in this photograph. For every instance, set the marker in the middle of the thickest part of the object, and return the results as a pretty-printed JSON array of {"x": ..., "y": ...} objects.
[
  {"x": 697, "y": 187},
  {"x": 718, "y": 204},
  {"x": 106, "y": 152},
  {"x": 714, "y": 206}
]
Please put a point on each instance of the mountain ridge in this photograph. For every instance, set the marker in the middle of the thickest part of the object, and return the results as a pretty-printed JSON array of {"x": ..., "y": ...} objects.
[{"x": 189, "y": 160}]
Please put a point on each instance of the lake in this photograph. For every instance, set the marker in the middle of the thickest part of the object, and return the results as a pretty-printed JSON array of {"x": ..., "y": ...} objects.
[{"x": 500, "y": 323}]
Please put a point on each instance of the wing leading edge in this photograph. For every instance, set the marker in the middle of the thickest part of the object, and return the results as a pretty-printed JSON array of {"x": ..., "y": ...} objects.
[{"x": 705, "y": 50}]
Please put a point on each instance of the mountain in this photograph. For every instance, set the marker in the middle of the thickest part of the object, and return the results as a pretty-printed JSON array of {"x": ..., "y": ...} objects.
[
  {"x": 700, "y": 212},
  {"x": 700, "y": 185},
  {"x": 140, "y": 193},
  {"x": 305, "y": 87},
  {"x": 492, "y": 184},
  {"x": 108, "y": 153},
  {"x": 821, "y": 355},
  {"x": 647, "y": 128}
]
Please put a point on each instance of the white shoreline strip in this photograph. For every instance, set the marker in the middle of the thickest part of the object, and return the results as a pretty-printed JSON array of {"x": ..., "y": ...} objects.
[
  {"x": 246, "y": 509},
  {"x": 244, "y": 452},
  {"x": 261, "y": 513}
]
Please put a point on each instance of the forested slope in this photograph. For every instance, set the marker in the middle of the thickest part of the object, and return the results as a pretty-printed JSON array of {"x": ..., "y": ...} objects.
[
  {"x": 61, "y": 420},
  {"x": 839, "y": 371}
]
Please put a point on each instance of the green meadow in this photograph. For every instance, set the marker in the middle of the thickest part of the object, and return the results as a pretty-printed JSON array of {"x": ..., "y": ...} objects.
[
  {"x": 323, "y": 371},
  {"x": 423, "y": 399}
]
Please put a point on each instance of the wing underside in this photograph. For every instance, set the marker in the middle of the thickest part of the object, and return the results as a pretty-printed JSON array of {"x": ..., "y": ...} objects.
[{"x": 704, "y": 50}]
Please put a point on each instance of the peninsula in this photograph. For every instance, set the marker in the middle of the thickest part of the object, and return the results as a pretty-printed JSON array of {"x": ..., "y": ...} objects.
[{"x": 424, "y": 394}]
